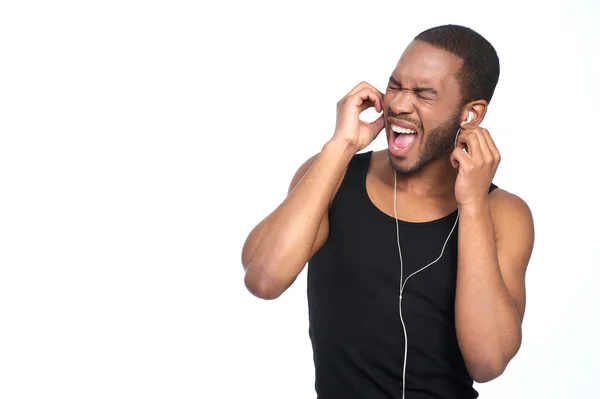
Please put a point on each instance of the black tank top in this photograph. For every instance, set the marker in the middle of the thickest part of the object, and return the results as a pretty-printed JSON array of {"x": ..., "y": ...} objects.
[{"x": 353, "y": 298}]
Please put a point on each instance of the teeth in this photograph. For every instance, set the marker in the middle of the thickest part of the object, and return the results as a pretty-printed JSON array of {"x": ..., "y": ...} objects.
[{"x": 399, "y": 129}]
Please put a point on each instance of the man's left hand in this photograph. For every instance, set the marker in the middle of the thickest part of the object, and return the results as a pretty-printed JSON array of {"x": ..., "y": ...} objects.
[{"x": 477, "y": 168}]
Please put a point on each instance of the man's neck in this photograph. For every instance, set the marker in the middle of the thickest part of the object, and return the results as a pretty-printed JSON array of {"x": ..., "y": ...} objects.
[{"x": 436, "y": 179}]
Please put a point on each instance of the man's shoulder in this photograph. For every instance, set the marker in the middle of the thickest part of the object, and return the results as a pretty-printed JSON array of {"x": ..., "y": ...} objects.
[
  {"x": 509, "y": 211},
  {"x": 503, "y": 200}
]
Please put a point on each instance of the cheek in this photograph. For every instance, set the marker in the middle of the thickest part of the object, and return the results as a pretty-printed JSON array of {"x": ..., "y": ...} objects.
[
  {"x": 386, "y": 104},
  {"x": 433, "y": 119},
  {"x": 387, "y": 99},
  {"x": 427, "y": 120}
]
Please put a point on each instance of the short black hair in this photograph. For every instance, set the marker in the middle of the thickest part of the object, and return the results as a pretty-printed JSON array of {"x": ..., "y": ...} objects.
[{"x": 481, "y": 66}]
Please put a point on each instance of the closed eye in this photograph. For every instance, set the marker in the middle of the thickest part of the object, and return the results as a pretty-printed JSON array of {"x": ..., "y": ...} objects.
[
  {"x": 393, "y": 84},
  {"x": 427, "y": 94}
]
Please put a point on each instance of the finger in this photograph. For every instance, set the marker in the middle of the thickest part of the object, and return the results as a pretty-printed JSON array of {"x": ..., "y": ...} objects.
[
  {"x": 377, "y": 126},
  {"x": 360, "y": 86},
  {"x": 489, "y": 152},
  {"x": 473, "y": 146},
  {"x": 486, "y": 151},
  {"x": 468, "y": 125},
  {"x": 378, "y": 104},
  {"x": 369, "y": 104},
  {"x": 366, "y": 104},
  {"x": 492, "y": 145},
  {"x": 367, "y": 98},
  {"x": 364, "y": 85},
  {"x": 357, "y": 88},
  {"x": 454, "y": 161},
  {"x": 459, "y": 157}
]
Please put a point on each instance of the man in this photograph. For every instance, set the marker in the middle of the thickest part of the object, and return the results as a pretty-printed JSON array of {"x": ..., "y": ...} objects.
[{"x": 416, "y": 276}]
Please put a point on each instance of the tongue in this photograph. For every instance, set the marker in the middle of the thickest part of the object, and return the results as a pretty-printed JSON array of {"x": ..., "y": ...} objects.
[{"x": 403, "y": 140}]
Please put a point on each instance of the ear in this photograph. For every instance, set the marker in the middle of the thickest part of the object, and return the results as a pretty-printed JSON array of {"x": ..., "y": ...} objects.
[{"x": 478, "y": 108}]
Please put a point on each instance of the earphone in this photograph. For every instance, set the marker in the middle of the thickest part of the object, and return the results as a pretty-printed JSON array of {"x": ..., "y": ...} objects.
[
  {"x": 403, "y": 283},
  {"x": 469, "y": 119}
]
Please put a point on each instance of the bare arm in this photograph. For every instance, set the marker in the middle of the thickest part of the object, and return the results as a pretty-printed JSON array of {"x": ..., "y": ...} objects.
[
  {"x": 495, "y": 242},
  {"x": 278, "y": 248},
  {"x": 494, "y": 246}
]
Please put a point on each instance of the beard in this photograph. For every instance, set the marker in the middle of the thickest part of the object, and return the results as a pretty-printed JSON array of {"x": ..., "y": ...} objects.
[{"x": 439, "y": 143}]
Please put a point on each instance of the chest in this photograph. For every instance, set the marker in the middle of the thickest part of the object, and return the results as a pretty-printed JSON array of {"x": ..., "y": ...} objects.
[
  {"x": 410, "y": 208},
  {"x": 372, "y": 253},
  {"x": 357, "y": 274}
]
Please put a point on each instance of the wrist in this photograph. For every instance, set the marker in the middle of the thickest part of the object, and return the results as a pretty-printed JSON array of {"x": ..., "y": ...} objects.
[
  {"x": 475, "y": 207},
  {"x": 340, "y": 146}
]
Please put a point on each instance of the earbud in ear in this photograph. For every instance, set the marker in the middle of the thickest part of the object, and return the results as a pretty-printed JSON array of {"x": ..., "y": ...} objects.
[{"x": 470, "y": 117}]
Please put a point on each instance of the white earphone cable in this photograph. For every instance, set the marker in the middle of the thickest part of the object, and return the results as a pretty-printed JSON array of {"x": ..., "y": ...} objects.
[
  {"x": 456, "y": 138},
  {"x": 403, "y": 283},
  {"x": 401, "y": 286}
]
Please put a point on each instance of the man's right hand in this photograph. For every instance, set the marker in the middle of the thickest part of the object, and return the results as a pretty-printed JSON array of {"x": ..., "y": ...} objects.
[
  {"x": 278, "y": 248},
  {"x": 349, "y": 128}
]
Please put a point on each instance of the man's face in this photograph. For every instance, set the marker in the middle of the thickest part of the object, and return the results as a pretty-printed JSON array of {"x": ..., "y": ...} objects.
[{"x": 423, "y": 96}]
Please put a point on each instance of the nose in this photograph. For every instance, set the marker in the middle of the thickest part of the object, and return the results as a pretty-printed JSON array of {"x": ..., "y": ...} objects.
[{"x": 402, "y": 103}]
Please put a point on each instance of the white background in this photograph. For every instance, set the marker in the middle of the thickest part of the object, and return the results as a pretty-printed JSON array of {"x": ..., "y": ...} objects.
[{"x": 140, "y": 142}]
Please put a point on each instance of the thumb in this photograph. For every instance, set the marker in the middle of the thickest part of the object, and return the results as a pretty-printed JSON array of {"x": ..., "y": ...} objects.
[
  {"x": 467, "y": 125},
  {"x": 377, "y": 125}
]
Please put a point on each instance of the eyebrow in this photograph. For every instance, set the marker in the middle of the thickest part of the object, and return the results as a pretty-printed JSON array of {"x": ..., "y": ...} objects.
[
  {"x": 417, "y": 90},
  {"x": 394, "y": 81}
]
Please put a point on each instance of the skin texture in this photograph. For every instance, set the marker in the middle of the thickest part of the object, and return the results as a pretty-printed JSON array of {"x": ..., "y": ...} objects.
[{"x": 495, "y": 231}]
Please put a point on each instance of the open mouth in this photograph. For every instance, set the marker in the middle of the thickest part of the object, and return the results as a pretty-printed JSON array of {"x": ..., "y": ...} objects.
[{"x": 403, "y": 137}]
